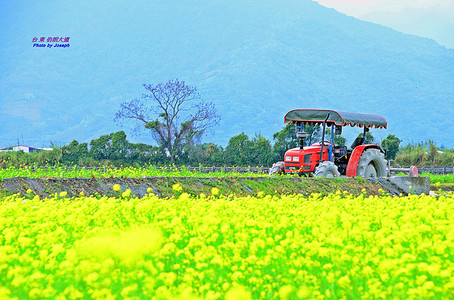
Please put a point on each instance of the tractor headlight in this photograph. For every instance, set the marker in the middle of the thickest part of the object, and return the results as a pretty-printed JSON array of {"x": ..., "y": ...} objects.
[
  {"x": 296, "y": 158},
  {"x": 288, "y": 158}
]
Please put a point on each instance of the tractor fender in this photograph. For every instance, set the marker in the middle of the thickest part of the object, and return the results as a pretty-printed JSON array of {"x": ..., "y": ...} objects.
[{"x": 356, "y": 155}]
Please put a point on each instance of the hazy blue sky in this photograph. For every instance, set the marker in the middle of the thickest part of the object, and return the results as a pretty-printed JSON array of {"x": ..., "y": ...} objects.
[
  {"x": 255, "y": 60},
  {"x": 428, "y": 18}
]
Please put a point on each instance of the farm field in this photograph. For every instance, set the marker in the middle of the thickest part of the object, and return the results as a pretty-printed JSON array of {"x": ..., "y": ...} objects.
[
  {"x": 226, "y": 247},
  {"x": 72, "y": 172},
  {"x": 448, "y": 178}
]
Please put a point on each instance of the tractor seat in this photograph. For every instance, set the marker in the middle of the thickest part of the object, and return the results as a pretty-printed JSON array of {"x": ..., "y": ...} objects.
[{"x": 358, "y": 141}]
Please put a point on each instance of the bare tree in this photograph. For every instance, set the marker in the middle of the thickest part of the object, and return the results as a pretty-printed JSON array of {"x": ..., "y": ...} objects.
[{"x": 173, "y": 112}]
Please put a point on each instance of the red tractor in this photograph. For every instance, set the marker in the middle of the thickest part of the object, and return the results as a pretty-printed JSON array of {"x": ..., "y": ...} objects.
[{"x": 325, "y": 159}]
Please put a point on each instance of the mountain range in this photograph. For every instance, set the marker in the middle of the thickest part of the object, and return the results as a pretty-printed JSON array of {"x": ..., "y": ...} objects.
[{"x": 255, "y": 60}]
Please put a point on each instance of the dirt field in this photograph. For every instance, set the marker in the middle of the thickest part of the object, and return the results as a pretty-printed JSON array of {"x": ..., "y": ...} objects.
[{"x": 162, "y": 186}]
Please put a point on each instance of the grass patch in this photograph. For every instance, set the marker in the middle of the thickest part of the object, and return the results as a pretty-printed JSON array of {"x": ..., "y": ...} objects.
[
  {"x": 360, "y": 179},
  {"x": 448, "y": 178},
  {"x": 4, "y": 193}
]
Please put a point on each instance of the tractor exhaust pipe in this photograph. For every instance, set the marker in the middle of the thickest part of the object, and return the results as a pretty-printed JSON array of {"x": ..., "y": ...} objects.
[
  {"x": 323, "y": 139},
  {"x": 301, "y": 135}
]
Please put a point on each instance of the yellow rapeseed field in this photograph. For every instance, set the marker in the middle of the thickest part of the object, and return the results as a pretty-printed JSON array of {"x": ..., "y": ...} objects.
[{"x": 226, "y": 247}]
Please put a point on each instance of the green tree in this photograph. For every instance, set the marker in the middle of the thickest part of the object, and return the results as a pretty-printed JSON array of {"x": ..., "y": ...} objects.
[
  {"x": 98, "y": 147},
  {"x": 369, "y": 139},
  {"x": 391, "y": 146},
  {"x": 112, "y": 147},
  {"x": 115, "y": 147},
  {"x": 286, "y": 139},
  {"x": 338, "y": 139},
  {"x": 140, "y": 154},
  {"x": 174, "y": 113},
  {"x": 207, "y": 154},
  {"x": 314, "y": 134},
  {"x": 259, "y": 151},
  {"x": 118, "y": 146},
  {"x": 237, "y": 151},
  {"x": 433, "y": 152},
  {"x": 244, "y": 152},
  {"x": 74, "y": 152}
]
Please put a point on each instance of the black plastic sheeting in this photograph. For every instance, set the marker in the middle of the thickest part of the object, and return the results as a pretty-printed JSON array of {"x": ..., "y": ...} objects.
[{"x": 339, "y": 118}]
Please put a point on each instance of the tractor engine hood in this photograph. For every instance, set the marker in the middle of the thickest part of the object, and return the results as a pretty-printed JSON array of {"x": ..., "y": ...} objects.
[{"x": 311, "y": 148}]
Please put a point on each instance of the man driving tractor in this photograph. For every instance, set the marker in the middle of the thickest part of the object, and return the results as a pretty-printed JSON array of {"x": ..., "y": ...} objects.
[{"x": 325, "y": 159}]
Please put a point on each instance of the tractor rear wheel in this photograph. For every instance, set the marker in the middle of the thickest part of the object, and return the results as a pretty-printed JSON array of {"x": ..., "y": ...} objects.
[
  {"x": 371, "y": 164},
  {"x": 326, "y": 169}
]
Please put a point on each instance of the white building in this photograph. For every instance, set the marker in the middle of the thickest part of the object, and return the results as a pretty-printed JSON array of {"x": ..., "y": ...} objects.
[{"x": 26, "y": 149}]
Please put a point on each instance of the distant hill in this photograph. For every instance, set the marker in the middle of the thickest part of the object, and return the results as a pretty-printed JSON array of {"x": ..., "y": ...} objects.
[
  {"x": 434, "y": 22},
  {"x": 255, "y": 60}
]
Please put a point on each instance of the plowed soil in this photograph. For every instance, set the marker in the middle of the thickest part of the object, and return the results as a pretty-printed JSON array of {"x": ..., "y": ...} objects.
[{"x": 162, "y": 186}]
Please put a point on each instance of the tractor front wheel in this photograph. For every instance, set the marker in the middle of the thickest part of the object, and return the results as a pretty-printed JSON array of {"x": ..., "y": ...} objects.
[
  {"x": 326, "y": 169},
  {"x": 277, "y": 168},
  {"x": 372, "y": 164}
]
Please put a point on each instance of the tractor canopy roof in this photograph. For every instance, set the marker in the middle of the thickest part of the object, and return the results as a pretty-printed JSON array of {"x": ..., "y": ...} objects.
[{"x": 339, "y": 118}]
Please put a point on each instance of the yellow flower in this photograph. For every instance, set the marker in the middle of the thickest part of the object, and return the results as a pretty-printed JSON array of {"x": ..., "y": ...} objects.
[
  {"x": 304, "y": 292},
  {"x": 116, "y": 187},
  {"x": 149, "y": 190},
  {"x": 344, "y": 281},
  {"x": 238, "y": 292},
  {"x": 29, "y": 191},
  {"x": 215, "y": 191},
  {"x": 126, "y": 193},
  {"x": 63, "y": 194},
  {"x": 285, "y": 291},
  {"x": 177, "y": 187}
]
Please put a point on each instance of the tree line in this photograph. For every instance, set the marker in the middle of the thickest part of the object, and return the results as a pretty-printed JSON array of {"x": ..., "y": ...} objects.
[
  {"x": 115, "y": 150},
  {"x": 177, "y": 118}
]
